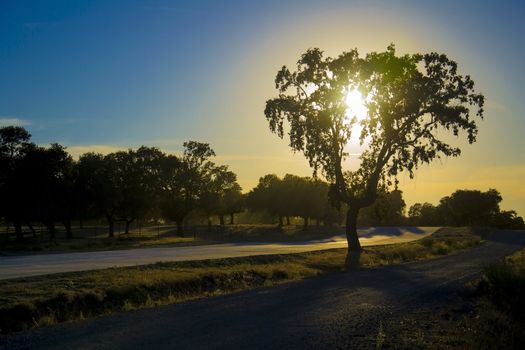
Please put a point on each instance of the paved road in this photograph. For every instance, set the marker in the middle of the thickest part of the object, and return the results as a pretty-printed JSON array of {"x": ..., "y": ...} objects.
[
  {"x": 334, "y": 311},
  {"x": 34, "y": 265}
]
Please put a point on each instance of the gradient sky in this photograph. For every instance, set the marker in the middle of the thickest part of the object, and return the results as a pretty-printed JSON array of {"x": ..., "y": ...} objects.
[{"x": 107, "y": 75}]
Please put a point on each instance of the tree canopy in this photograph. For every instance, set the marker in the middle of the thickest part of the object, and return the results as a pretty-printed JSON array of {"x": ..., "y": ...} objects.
[{"x": 412, "y": 101}]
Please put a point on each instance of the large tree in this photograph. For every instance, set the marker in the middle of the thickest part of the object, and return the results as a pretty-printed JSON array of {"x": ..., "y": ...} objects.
[{"x": 411, "y": 101}]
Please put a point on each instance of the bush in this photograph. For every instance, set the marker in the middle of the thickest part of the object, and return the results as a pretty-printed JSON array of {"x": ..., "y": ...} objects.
[{"x": 506, "y": 287}]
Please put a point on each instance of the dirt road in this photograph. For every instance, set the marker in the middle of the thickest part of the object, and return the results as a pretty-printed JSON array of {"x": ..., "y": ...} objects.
[
  {"x": 336, "y": 311},
  {"x": 34, "y": 265}
]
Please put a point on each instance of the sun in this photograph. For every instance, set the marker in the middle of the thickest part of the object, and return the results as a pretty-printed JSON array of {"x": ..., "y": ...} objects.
[{"x": 355, "y": 104}]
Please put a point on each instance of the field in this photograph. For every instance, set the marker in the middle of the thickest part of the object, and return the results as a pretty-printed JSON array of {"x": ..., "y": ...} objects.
[
  {"x": 40, "y": 301},
  {"x": 92, "y": 238}
]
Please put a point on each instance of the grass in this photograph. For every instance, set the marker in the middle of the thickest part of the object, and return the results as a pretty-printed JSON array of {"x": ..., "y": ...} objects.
[
  {"x": 45, "y": 300},
  {"x": 504, "y": 283},
  {"x": 499, "y": 321},
  {"x": 493, "y": 317},
  {"x": 94, "y": 238}
]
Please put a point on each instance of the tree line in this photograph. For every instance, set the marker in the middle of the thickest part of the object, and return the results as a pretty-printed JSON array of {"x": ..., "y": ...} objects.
[
  {"x": 465, "y": 208},
  {"x": 46, "y": 185}
]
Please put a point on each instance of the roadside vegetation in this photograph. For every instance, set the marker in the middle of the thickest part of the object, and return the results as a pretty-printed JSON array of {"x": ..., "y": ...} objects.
[
  {"x": 491, "y": 315},
  {"x": 499, "y": 318},
  {"x": 45, "y": 300}
]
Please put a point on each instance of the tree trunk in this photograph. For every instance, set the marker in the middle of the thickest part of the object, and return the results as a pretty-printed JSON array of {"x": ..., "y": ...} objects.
[
  {"x": 67, "y": 226},
  {"x": 51, "y": 229},
  {"x": 111, "y": 224},
  {"x": 280, "y": 221},
  {"x": 305, "y": 223},
  {"x": 221, "y": 220},
  {"x": 32, "y": 229},
  {"x": 354, "y": 247},
  {"x": 287, "y": 220},
  {"x": 18, "y": 231},
  {"x": 232, "y": 216},
  {"x": 209, "y": 224},
  {"x": 126, "y": 228},
  {"x": 179, "y": 228}
]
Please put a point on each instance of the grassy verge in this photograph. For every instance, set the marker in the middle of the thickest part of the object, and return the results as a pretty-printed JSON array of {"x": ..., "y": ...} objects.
[
  {"x": 39, "y": 301},
  {"x": 499, "y": 318},
  {"x": 492, "y": 316}
]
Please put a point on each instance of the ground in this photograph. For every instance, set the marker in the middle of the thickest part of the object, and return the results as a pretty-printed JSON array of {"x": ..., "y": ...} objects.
[{"x": 399, "y": 306}]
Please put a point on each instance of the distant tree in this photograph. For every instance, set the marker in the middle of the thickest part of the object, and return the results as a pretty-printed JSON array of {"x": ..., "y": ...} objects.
[
  {"x": 232, "y": 202},
  {"x": 470, "y": 207},
  {"x": 53, "y": 186},
  {"x": 100, "y": 177},
  {"x": 229, "y": 199},
  {"x": 217, "y": 182},
  {"x": 268, "y": 195},
  {"x": 508, "y": 219},
  {"x": 14, "y": 144},
  {"x": 136, "y": 177},
  {"x": 318, "y": 199},
  {"x": 424, "y": 214},
  {"x": 412, "y": 100},
  {"x": 387, "y": 209},
  {"x": 183, "y": 181},
  {"x": 304, "y": 197}
]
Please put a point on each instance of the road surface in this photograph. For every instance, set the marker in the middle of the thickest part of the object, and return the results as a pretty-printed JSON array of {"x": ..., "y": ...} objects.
[
  {"x": 34, "y": 265},
  {"x": 336, "y": 311}
]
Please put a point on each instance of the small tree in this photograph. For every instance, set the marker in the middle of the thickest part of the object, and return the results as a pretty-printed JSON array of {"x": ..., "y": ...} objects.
[
  {"x": 184, "y": 180},
  {"x": 424, "y": 214},
  {"x": 269, "y": 196},
  {"x": 411, "y": 100},
  {"x": 99, "y": 178},
  {"x": 14, "y": 145},
  {"x": 388, "y": 209},
  {"x": 229, "y": 199}
]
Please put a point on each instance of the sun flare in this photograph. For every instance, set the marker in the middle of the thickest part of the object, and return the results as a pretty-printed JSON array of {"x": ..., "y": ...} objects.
[{"x": 355, "y": 105}]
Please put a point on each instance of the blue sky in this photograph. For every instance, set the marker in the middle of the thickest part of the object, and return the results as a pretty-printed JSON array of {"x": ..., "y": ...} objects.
[{"x": 106, "y": 75}]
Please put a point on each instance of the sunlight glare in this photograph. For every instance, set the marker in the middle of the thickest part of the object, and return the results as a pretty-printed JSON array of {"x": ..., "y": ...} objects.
[{"x": 355, "y": 105}]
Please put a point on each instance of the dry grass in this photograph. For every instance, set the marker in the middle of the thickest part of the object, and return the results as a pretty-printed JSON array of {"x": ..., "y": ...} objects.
[
  {"x": 495, "y": 315},
  {"x": 37, "y": 301},
  {"x": 94, "y": 238}
]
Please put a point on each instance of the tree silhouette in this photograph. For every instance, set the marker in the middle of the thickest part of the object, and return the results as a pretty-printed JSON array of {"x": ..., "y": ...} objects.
[
  {"x": 183, "y": 181},
  {"x": 470, "y": 207},
  {"x": 135, "y": 175},
  {"x": 412, "y": 100},
  {"x": 424, "y": 214},
  {"x": 387, "y": 209},
  {"x": 222, "y": 195},
  {"x": 231, "y": 202},
  {"x": 268, "y": 196},
  {"x": 14, "y": 144}
]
